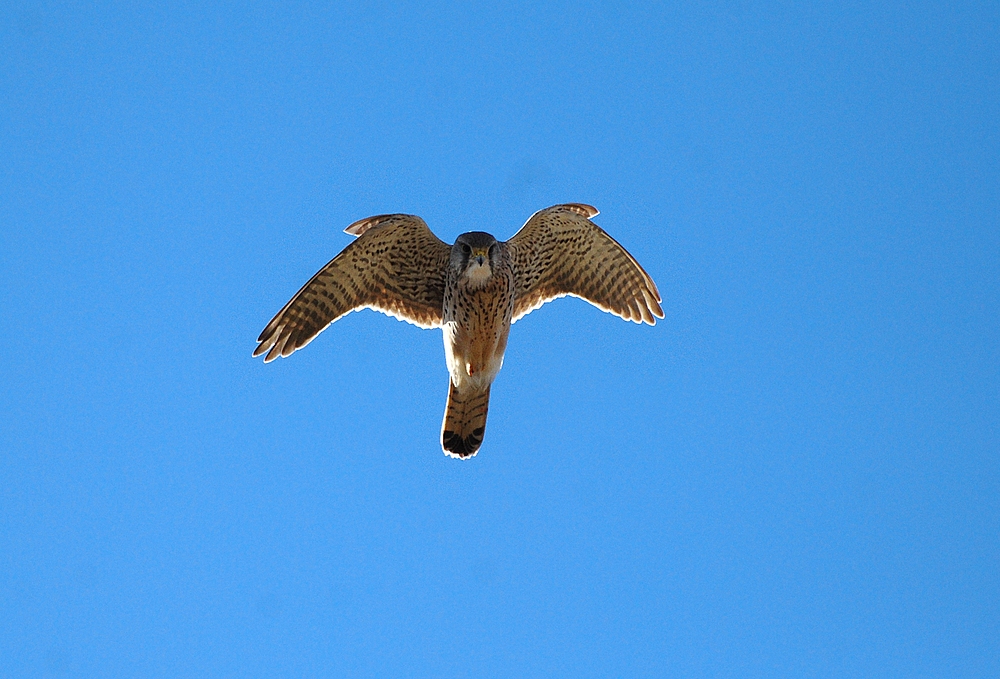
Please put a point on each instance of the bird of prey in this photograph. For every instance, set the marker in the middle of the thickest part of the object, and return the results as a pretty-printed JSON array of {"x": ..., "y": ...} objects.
[{"x": 473, "y": 290}]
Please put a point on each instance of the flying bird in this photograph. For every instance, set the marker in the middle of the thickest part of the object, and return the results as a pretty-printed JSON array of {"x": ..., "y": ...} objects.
[{"x": 473, "y": 290}]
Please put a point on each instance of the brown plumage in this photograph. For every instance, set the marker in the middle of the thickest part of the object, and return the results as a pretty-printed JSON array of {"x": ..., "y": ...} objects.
[
  {"x": 560, "y": 252},
  {"x": 474, "y": 290},
  {"x": 396, "y": 266},
  {"x": 464, "y": 421}
]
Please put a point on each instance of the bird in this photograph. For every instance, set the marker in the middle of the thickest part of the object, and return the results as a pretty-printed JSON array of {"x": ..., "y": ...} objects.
[{"x": 474, "y": 290}]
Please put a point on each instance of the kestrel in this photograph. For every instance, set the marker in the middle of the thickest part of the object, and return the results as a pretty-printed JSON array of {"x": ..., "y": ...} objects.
[{"x": 473, "y": 290}]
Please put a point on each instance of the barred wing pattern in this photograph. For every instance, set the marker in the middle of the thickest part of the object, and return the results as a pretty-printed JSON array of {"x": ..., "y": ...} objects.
[
  {"x": 560, "y": 252},
  {"x": 396, "y": 266}
]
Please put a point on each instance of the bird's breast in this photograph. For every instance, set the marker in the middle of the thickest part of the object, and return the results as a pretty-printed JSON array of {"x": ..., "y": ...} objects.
[{"x": 476, "y": 324}]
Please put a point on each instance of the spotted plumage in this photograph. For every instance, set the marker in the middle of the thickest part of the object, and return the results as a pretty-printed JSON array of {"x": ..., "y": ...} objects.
[{"x": 474, "y": 290}]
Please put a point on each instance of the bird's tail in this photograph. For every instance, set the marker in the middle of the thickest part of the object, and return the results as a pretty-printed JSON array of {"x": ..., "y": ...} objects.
[{"x": 464, "y": 421}]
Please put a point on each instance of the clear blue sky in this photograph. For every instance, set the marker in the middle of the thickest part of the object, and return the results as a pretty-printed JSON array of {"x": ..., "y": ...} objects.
[{"x": 795, "y": 474}]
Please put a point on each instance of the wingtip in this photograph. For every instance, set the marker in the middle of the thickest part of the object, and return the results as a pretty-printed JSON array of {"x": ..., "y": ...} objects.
[
  {"x": 261, "y": 350},
  {"x": 651, "y": 314},
  {"x": 652, "y": 303}
]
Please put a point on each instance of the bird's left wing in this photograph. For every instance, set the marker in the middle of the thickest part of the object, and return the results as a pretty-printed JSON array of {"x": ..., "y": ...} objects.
[
  {"x": 560, "y": 252},
  {"x": 396, "y": 266}
]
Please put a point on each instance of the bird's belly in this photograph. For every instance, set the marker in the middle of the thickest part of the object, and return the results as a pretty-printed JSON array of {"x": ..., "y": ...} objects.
[
  {"x": 474, "y": 357},
  {"x": 476, "y": 325}
]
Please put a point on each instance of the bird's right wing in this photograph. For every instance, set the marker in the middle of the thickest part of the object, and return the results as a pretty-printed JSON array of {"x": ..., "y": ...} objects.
[
  {"x": 560, "y": 252},
  {"x": 396, "y": 266}
]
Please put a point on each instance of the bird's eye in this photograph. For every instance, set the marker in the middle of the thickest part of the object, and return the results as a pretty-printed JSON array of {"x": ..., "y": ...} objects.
[{"x": 466, "y": 249}]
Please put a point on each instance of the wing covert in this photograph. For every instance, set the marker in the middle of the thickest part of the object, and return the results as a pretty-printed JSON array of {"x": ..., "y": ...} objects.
[
  {"x": 396, "y": 266},
  {"x": 560, "y": 252}
]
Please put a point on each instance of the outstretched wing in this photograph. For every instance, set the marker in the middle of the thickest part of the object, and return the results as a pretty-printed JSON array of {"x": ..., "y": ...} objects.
[
  {"x": 559, "y": 252},
  {"x": 396, "y": 266}
]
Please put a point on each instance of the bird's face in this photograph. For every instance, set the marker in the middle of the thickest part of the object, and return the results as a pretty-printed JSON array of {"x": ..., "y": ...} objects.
[{"x": 474, "y": 255}]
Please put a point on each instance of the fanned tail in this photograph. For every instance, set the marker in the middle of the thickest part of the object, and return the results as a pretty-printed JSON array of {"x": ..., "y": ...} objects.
[{"x": 464, "y": 422}]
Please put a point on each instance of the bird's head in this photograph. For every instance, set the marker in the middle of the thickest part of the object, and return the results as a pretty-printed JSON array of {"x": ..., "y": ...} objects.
[{"x": 474, "y": 255}]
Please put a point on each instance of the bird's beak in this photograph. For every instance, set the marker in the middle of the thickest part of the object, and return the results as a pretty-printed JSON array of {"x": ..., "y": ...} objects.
[{"x": 480, "y": 256}]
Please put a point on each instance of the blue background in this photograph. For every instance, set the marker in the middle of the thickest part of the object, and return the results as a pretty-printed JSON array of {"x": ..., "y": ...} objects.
[{"x": 795, "y": 474}]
